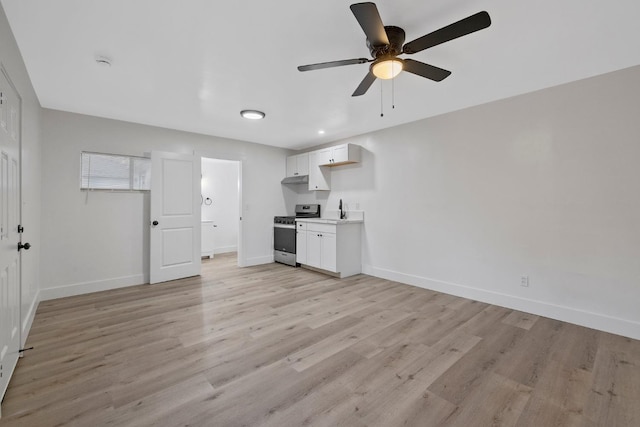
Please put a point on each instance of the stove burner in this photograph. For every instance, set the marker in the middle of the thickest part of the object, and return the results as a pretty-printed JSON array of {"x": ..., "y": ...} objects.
[{"x": 289, "y": 220}]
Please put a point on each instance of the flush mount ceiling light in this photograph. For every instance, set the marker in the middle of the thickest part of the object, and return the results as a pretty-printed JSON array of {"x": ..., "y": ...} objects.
[
  {"x": 252, "y": 114},
  {"x": 386, "y": 68}
]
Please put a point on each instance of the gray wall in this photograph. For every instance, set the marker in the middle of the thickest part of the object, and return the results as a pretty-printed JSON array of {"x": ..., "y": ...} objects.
[
  {"x": 99, "y": 240},
  {"x": 545, "y": 184},
  {"x": 11, "y": 60}
]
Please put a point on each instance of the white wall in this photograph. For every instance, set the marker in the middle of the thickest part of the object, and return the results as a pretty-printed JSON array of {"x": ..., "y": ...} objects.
[
  {"x": 545, "y": 184},
  {"x": 220, "y": 184},
  {"x": 11, "y": 60},
  {"x": 99, "y": 240}
]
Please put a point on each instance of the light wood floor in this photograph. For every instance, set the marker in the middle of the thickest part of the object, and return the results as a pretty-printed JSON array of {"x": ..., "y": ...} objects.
[{"x": 277, "y": 346}]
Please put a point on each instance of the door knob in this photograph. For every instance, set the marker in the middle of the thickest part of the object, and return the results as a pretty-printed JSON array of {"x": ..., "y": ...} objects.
[
  {"x": 26, "y": 246},
  {"x": 154, "y": 223}
]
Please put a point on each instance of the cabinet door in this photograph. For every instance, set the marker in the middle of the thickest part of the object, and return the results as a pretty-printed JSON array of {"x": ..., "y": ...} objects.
[
  {"x": 206, "y": 236},
  {"x": 325, "y": 156},
  {"x": 340, "y": 154},
  {"x": 303, "y": 164},
  {"x": 328, "y": 252},
  {"x": 292, "y": 165},
  {"x": 314, "y": 249},
  {"x": 301, "y": 246},
  {"x": 319, "y": 178}
]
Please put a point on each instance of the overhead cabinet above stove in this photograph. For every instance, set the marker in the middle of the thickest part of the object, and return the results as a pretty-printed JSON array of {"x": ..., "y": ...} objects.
[{"x": 298, "y": 165}]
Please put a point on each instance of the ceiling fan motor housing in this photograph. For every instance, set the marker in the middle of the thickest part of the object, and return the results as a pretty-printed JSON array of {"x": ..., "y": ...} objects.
[{"x": 396, "y": 38}]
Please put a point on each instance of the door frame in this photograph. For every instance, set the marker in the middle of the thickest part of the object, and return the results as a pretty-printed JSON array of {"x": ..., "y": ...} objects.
[
  {"x": 15, "y": 89},
  {"x": 21, "y": 325},
  {"x": 241, "y": 262}
]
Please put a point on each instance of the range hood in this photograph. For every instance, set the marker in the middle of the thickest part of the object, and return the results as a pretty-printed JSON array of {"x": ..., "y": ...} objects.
[{"x": 298, "y": 179}]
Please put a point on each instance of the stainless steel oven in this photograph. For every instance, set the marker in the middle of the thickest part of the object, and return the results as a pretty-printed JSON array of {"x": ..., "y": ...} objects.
[
  {"x": 284, "y": 233},
  {"x": 284, "y": 239}
]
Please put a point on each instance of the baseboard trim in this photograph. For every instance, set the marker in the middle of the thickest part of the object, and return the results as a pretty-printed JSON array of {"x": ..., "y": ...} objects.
[
  {"x": 598, "y": 321},
  {"x": 27, "y": 321},
  {"x": 258, "y": 261},
  {"x": 225, "y": 249},
  {"x": 89, "y": 287}
]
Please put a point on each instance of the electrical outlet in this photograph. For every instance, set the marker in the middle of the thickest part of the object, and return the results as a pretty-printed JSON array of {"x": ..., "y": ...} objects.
[{"x": 524, "y": 281}]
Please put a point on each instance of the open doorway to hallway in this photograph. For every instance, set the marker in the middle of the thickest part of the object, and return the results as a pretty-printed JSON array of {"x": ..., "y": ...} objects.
[{"x": 220, "y": 203}]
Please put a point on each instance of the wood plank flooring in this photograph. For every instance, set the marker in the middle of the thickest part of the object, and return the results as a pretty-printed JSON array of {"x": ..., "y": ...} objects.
[{"x": 276, "y": 346}]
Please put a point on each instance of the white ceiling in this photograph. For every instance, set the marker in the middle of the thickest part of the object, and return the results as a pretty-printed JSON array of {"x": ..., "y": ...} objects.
[{"x": 193, "y": 65}]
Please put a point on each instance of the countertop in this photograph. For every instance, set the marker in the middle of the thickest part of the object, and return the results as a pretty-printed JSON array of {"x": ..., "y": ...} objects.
[
  {"x": 353, "y": 217},
  {"x": 330, "y": 220}
]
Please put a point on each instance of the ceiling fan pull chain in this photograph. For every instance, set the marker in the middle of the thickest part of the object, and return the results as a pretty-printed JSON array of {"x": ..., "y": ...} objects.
[
  {"x": 381, "y": 110},
  {"x": 393, "y": 94}
]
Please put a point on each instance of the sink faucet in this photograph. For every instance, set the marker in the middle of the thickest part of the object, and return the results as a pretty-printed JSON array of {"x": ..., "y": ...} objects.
[{"x": 343, "y": 214}]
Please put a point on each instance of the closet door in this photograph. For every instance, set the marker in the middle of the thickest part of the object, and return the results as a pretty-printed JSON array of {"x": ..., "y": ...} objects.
[{"x": 9, "y": 235}]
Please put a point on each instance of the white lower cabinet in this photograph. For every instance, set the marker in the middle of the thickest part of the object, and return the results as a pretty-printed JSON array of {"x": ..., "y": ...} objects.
[
  {"x": 301, "y": 244},
  {"x": 328, "y": 252},
  {"x": 321, "y": 250},
  {"x": 314, "y": 249},
  {"x": 206, "y": 238},
  {"x": 334, "y": 248}
]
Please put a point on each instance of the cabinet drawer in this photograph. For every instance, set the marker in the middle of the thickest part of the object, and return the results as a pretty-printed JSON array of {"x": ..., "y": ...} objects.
[
  {"x": 321, "y": 228},
  {"x": 301, "y": 226}
]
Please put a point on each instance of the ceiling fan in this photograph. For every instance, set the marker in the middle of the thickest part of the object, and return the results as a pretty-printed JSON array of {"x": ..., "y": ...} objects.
[{"x": 385, "y": 43}]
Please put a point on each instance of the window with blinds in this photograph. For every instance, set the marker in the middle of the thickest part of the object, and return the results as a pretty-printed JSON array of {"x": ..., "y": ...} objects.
[{"x": 113, "y": 172}]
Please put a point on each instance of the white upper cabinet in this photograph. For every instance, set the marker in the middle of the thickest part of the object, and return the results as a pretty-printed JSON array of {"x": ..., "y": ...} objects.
[
  {"x": 315, "y": 164},
  {"x": 339, "y": 155},
  {"x": 324, "y": 156},
  {"x": 319, "y": 177},
  {"x": 298, "y": 165}
]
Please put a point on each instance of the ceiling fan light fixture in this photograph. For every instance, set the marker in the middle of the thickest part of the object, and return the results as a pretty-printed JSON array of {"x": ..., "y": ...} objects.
[
  {"x": 252, "y": 114},
  {"x": 387, "y": 68}
]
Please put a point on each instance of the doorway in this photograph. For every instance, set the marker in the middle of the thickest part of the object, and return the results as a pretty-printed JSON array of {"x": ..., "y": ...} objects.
[{"x": 221, "y": 190}]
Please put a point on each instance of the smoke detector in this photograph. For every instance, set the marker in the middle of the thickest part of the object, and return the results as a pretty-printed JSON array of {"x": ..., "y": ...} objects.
[{"x": 103, "y": 61}]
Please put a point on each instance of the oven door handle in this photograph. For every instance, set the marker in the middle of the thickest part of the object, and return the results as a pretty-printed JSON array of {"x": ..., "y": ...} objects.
[{"x": 290, "y": 226}]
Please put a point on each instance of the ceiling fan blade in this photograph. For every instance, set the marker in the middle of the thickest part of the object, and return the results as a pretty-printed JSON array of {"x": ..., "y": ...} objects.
[
  {"x": 365, "y": 84},
  {"x": 369, "y": 19},
  {"x": 425, "y": 70},
  {"x": 322, "y": 65},
  {"x": 461, "y": 28}
]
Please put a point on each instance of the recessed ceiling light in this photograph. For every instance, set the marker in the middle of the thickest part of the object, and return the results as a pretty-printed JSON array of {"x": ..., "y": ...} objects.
[
  {"x": 320, "y": 132},
  {"x": 252, "y": 114},
  {"x": 103, "y": 61}
]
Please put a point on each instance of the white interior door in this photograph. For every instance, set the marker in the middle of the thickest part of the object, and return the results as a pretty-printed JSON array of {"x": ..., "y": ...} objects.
[
  {"x": 9, "y": 236},
  {"x": 175, "y": 216}
]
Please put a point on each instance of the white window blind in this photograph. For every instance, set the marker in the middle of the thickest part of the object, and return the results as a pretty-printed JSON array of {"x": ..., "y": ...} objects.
[{"x": 114, "y": 172}]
